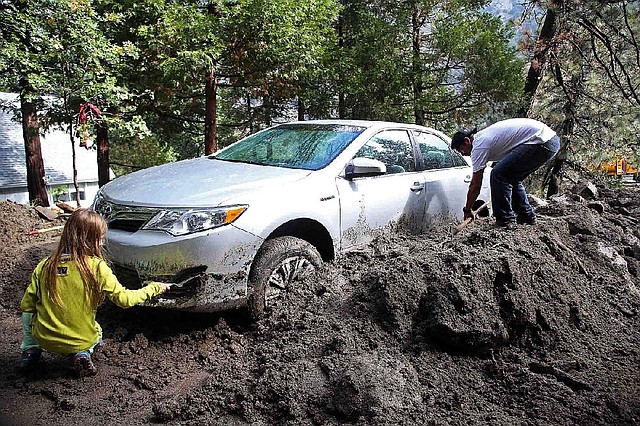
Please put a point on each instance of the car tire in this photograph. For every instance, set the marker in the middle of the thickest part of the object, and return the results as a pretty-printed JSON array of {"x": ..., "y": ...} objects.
[{"x": 278, "y": 263}]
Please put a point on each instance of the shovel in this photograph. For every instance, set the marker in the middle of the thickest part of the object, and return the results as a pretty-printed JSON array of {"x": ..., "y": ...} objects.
[
  {"x": 469, "y": 219},
  {"x": 178, "y": 288},
  {"x": 40, "y": 231}
]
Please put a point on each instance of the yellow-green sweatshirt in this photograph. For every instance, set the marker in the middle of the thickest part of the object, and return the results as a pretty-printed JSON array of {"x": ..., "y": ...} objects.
[{"x": 73, "y": 328}]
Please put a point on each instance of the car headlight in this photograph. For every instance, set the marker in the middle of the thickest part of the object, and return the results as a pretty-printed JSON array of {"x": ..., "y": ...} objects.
[
  {"x": 182, "y": 222},
  {"x": 102, "y": 206}
]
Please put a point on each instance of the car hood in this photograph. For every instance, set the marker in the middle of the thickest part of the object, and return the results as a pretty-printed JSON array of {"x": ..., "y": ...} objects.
[{"x": 197, "y": 182}]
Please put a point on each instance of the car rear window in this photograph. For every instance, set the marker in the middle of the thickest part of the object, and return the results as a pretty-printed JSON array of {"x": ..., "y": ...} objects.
[{"x": 297, "y": 146}]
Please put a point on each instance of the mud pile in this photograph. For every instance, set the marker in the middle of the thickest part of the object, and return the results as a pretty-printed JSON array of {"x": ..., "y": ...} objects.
[
  {"x": 20, "y": 251},
  {"x": 537, "y": 325}
]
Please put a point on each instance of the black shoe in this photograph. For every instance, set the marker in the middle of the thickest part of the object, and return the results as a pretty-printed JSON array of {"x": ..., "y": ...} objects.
[
  {"x": 526, "y": 220},
  {"x": 507, "y": 224},
  {"x": 29, "y": 358}
]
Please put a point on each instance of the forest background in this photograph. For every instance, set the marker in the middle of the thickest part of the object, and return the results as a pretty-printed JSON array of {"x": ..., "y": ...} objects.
[{"x": 151, "y": 81}]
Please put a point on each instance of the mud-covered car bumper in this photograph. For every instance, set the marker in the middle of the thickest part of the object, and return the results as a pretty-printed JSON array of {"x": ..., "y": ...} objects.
[{"x": 212, "y": 265}]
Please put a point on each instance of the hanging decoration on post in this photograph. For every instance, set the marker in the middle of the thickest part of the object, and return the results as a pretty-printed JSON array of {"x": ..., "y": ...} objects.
[{"x": 88, "y": 112}]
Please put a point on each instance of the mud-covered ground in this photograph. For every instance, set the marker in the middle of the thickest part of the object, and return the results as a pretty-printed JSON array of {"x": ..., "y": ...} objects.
[{"x": 535, "y": 326}]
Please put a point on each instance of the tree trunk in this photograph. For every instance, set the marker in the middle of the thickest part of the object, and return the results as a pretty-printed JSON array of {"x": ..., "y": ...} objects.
[
  {"x": 300, "y": 109},
  {"x": 250, "y": 113},
  {"x": 416, "y": 76},
  {"x": 74, "y": 163},
  {"x": 266, "y": 109},
  {"x": 555, "y": 170},
  {"x": 102, "y": 142},
  {"x": 211, "y": 115},
  {"x": 540, "y": 56},
  {"x": 33, "y": 151},
  {"x": 573, "y": 93},
  {"x": 342, "y": 109}
]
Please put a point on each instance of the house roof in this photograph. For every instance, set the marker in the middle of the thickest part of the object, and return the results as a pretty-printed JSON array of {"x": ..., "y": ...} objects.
[{"x": 56, "y": 153}]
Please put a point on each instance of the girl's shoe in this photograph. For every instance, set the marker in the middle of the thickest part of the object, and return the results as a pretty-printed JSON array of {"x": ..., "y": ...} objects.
[
  {"x": 83, "y": 365},
  {"x": 29, "y": 358}
]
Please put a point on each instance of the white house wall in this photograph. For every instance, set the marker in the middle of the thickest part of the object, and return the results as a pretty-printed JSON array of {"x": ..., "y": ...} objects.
[
  {"x": 57, "y": 158},
  {"x": 20, "y": 195}
]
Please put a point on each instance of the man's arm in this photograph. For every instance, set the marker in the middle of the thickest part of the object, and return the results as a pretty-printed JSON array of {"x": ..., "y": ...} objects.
[{"x": 474, "y": 190}]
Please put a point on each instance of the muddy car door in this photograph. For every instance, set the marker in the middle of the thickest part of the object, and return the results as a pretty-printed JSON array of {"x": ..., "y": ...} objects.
[
  {"x": 447, "y": 176},
  {"x": 369, "y": 205}
]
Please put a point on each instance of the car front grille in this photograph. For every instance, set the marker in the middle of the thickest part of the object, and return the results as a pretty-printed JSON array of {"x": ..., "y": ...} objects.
[
  {"x": 124, "y": 218},
  {"x": 130, "y": 224}
]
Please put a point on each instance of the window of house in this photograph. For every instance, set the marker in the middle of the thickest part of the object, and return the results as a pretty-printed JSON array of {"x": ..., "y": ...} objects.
[{"x": 74, "y": 197}]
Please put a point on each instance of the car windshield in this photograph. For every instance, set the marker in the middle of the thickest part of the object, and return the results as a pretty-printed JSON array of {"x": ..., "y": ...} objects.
[{"x": 296, "y": 146}]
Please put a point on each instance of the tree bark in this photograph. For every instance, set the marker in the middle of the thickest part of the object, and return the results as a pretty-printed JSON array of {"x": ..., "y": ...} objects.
[
  {"x": 266, "y": 108},
  {"x": 342, "y": 108},
  {"x": 301, "y": 109},
  {"x": 210, "y": 115},
  {"x": 74, "y": 163},
  {"x": 102, "y": 142},
  {"x": 573, "y": 92},
  {"x": 554, "y": 171},
  {"x": 33, "y": 150},
  {"x": 416, "y": 76},
  {"x": 540, "y": 56}
]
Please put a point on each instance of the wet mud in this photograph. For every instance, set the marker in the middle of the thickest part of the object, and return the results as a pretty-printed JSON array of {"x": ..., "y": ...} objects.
[{"x": 539, "y": 325}]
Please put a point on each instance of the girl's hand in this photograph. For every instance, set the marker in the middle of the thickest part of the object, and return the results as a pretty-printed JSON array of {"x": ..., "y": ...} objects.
[{"x": 165, "y": 287}]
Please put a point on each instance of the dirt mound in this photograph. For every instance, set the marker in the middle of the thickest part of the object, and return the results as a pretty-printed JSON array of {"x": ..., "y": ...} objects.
[
  {"x": 19, "y": 250},
  {"x": 537, "y": 325}
]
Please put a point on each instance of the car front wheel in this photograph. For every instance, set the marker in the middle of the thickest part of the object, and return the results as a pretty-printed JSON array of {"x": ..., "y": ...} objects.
[{"x": 279, "y": 263}]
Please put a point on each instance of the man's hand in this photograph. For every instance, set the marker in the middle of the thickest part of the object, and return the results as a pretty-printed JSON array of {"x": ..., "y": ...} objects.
[
  {"x": 468, "y": 214},
  {"x": 472, "y": 195}
]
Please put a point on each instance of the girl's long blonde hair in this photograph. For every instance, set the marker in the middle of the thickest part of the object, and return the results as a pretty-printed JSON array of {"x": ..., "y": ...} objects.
[{"x": 81, "y": 239}]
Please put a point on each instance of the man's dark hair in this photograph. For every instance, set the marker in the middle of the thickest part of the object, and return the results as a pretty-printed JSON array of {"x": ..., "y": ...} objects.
[{"x": 458, "y": 138}]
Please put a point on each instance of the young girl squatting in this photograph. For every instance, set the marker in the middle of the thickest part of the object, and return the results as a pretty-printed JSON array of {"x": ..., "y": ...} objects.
[{"x": 59, "y": 306}]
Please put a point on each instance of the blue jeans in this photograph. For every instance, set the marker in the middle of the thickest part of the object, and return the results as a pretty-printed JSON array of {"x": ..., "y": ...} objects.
[{"x": 508, "y": 196}]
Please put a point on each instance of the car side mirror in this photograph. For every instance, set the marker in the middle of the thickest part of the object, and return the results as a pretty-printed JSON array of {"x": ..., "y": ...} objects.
[{"x": 364, "y": 167}]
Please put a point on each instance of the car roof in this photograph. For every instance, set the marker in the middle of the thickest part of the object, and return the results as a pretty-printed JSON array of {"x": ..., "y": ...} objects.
[
  {"x": 372, "y": 125},
  {"x": 362, "y": 123}
]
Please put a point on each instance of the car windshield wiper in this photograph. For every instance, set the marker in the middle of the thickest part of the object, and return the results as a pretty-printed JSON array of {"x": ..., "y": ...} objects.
[
  {"x": 211, "y": 157},
  {"x": 274, "y": 164}
]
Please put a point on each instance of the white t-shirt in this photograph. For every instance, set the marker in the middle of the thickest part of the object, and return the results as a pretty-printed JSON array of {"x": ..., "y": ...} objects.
[{"x": 496, "y": 141}]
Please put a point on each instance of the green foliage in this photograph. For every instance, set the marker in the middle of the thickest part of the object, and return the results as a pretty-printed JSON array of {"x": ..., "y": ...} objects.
[
  {"x": 589, "y": 95},
  {"x": 144, "y": 64},
  {"x": 137, "y": 148},
  {"x": 57, "y": 46},
  {"x": 484, "y": 72},
  {"x": 276, "y": 53},
  {"x": 58, "y": 192},
  {"x": 374, "y": 65},
  {"x": 255, "y": 49},
  {"x": 441, "y": 62}
]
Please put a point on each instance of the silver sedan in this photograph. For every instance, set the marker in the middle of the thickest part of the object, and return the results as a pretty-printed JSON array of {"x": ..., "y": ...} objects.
[{"x": 238, "y": 227}]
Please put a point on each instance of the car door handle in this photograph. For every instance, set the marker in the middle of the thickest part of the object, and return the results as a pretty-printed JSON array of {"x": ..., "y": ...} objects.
[
  {"x": 417, "y": 186},
  {"x": 467, "y": 179}
]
